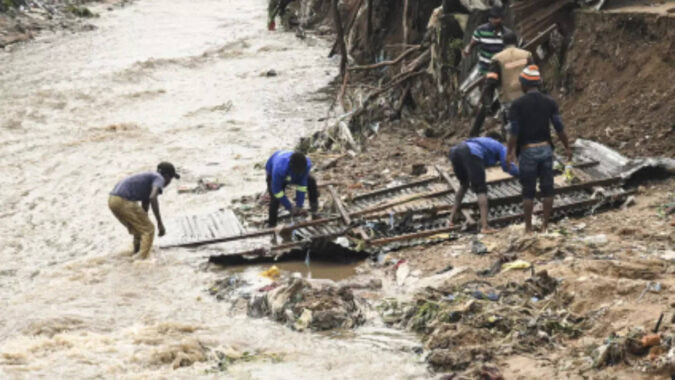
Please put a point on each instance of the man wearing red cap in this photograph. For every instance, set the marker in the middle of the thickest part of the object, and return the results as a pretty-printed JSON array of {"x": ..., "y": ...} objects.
[{"x": 530, "y": 140}]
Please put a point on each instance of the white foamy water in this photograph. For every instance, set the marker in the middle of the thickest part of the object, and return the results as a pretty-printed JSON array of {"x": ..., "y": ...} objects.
[{"x": 175, "y": 80}]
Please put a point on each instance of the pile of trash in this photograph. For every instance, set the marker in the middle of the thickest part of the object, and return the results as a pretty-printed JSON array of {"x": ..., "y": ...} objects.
[
  {"x": 650, "y": 352},
  {"x": 309, "y": 304},
  {"x": 466, "y": 325},
  {"x": 299, "y": 303}
]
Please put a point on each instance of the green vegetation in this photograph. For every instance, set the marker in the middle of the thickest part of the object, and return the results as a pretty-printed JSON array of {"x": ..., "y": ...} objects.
[
  {"x": 80, "y": 11},
  {"x": 6, "y": 5}
]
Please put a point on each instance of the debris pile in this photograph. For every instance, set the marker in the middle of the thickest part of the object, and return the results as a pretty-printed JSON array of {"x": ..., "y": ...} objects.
[
  {"x": 303, "y": 304},
  {"x": 468, "y": 324}
]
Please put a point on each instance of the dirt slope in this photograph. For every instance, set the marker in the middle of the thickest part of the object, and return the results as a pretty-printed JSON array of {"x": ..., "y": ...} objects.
[{"x": 619, "y": 82}]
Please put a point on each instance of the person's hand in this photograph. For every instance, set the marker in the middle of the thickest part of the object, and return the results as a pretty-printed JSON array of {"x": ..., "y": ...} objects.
[
  {"x": 511, "y": 158},
  {"x": 271, "y": 25},
  {"x": 162, "y": 230},
  {"x": 467, "y": 51},
  {"x": 568, "y": 154}
]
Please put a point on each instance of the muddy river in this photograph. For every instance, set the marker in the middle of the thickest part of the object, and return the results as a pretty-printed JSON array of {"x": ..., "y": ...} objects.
[{"x": 178, "y": 80}]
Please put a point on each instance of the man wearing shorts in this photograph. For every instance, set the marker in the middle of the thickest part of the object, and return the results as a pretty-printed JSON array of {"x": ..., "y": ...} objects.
[{"x": 469, "y": 160}]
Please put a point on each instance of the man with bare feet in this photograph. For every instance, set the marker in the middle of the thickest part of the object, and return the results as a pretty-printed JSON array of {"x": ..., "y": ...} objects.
[
  {"x": 530, "y": 140},
  {"x": 144, "y": 188},
  {"x": 469, "y": 160}
]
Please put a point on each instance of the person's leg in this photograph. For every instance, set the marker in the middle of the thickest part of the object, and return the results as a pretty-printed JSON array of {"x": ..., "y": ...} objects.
[
  {"x": 115, "y": 204},
  {"x": 546, "y": 183},
  {"x": 506, "y": 108},
  {"x": 313, "y": 194},
  {"x": 528, "y": 181},
  {"x": 273, "y": 212},
  {"x": 478, "y": 122},
  {"x": 486, "y": 100},
  {"x": 134, "y": 214},
  {"x": 457, "y": 156},
  {"x": 476, "y": 171}
]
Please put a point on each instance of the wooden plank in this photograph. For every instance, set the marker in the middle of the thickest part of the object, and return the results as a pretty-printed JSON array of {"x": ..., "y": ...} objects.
[
  {"x": 341, "y": 208},
  {"x": 395, "y": 188}
]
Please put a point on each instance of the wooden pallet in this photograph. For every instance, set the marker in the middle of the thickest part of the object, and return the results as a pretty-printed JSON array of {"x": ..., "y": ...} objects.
[{"x": 193, "y": 228}]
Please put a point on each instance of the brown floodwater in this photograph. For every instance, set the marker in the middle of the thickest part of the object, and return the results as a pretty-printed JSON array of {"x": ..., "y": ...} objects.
[{"x": 177, "y": 80}]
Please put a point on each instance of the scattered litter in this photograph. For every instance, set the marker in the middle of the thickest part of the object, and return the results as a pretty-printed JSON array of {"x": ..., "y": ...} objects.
[
  {"x": 518, "y": 264},
  {"x": 478, "y": 248},
  {"x": 202, "y": 186},
  {"x": 419, "y": 169},
  {"x": 342, "y": 241},
  {"x": 595, "y": 240},
  {"x": 272, "y": 273},
  {"x": 402, "y": 272},
  {"x": 650, "y": 340}
]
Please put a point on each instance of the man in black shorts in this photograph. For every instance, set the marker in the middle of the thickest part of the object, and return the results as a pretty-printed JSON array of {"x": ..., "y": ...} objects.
[
  {"x": 469, "y": 160},
  {"x": 530, "y": 140}
]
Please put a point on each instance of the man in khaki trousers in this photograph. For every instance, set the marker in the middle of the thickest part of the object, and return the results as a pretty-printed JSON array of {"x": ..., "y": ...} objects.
[{"x": 144, "y": 188}]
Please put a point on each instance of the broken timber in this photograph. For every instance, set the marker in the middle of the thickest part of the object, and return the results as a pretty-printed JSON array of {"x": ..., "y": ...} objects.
[{"x": 417, "y": 212}]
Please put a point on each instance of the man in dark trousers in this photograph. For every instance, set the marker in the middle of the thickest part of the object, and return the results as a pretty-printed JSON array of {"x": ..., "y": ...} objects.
[
  {"x": 469, "y": 160},
  {"x": 283, "y": 168},
  {"x": 144, "y": 188},
  {"x": 489, "y": 39},
  {"x": 530, "y": 140}
]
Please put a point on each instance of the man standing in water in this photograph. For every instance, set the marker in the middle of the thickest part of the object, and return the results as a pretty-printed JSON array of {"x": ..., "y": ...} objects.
[
  {"x": 144, "y": 188},
  {"x": 469, "y": 160},
  {"x": 530, "y": 140},
  {"x": 283, "y": 168}
]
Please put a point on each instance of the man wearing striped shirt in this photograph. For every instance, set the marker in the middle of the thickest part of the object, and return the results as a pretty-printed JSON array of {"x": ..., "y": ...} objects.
[{"x": 490, "y": 40}]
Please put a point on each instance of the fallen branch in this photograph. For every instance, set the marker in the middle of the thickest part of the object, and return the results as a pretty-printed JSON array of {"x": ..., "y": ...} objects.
[
  {"x": 387, "y": 63},
  {"x": 333, "y": 50}
]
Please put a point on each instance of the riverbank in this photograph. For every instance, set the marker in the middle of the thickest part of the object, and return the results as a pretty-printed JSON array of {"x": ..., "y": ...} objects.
[
  {"x": 25, "y": 20},
  {"x": 184, "y": 81}
]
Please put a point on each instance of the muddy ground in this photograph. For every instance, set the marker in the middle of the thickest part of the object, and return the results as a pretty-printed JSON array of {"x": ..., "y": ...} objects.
[{"x": 596, "y": 284}]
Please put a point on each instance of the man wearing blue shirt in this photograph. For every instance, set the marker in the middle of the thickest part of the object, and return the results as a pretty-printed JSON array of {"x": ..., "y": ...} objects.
[
  {"x": 469, "y": 160},
  {"x": 283, "y": 168}
]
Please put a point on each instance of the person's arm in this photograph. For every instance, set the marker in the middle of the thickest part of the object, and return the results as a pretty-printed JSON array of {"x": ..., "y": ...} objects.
[
  {"x": 494, "y": 76},
  {"x": 145, "y": 205},
  {"x": 278, "y": 189},
  {"x": 507, "y": 166},
  {"x": 514, "y": 128},
  {"x": 475, "y": 40},
  {"x": 556, "y": 120},
  {"x": 154, "y": 202}
]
